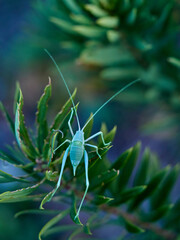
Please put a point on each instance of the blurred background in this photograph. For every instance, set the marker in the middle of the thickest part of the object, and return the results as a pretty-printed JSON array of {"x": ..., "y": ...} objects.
[{"x": 100, "y": 46}]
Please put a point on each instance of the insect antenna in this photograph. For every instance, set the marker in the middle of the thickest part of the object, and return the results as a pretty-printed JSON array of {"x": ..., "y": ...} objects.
[
  {"x": 65, "y": 85},
  {"x": 121, "y": 90}
]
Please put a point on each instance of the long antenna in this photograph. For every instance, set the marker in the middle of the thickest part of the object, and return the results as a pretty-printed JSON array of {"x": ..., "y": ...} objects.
[
  {"x": 65, "y": 85},
  {"x": 121, "y": 90}
]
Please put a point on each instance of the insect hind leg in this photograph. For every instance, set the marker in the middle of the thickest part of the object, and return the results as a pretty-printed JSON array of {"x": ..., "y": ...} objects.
[
  {"x": 87, "y": 183},
  {"x": 60, "y": 176}
]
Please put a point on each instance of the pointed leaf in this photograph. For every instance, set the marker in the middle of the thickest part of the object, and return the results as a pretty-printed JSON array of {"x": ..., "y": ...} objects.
[
  {"x": 53, "y": 221},
  {"x": 121, "y": 160},
  {"x": 174, "y": 61},
  {"x": 7, "y": 116},
  {"x": 35, "y": 211},
  {"x": 151, "y": 188},
  {"x": 62, "y": 114},
  {"x": 73, "y": 212},
  {"x": 99, "y": 199},
  {"x": 42, "y": 128},
  {"x": 127, "y": 195},
  {"x": 126, "y": 172},
  {"x": 131, "y": 16},
  {"x": 9, "y": 158},
  {"x": 102, "y": 179},
  {"x": 5, "y": 177},
  {"x": 47, "y": 198},
  {"x": 21, "y": 132},
  {"x": 87, "y": 229},
  {"x": 95, "y": 10},
  {"x": 73, "y": 6},
  {"x": 165, "y": 187},
  {"x": 88, "y": 128},
  {"x": 131, "y": 227},
  {"x": 143, "y": 170},
  {"x": 109, "y": 137},
  {"x": 158, "y": 213},
  {"x": 16, "y": 96},
  {"x": 62, "y": 228},
  {"x": 15, "y": 195}
]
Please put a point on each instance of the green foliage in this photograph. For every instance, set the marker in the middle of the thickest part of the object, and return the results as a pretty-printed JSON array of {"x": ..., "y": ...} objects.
[
  {"x": 122, "y": 40},
  {"x": 115, "y": 188}
]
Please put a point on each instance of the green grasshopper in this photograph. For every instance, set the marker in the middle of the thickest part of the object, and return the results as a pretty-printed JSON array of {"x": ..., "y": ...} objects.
[{"x": 76, "y": 148}]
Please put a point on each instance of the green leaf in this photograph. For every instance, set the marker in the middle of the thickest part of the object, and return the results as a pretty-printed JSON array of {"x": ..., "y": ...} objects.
[
  {"x": 117, "y": 73},
  {"x": 121, "y": 160},
  {"x": 99, "y": 199},
  {"x": 165, "y": 188},
  {"x": 131, "y": 16},
  {"x": 143, "y": 169},
  {"x": 7, "y": 116},
  {"x": 42, "y": 127},
  {"x": 86, "y": 229},
  {"x": 73, "y": 212},
  {"x": 73, "y": 6},
  {"x": 75, "y": 233},
  {"x": 109, "y": 22},
  {"x": 105, "y": 56},
  {"x": 63, "y": 24},
  {"x": 62, "y": 114},
  {"x": 158, "y": 213},
  {"x": 53, "y": 221},
  {"x": 90, "y": 31},
  {"x": 127, "y": 195},
  {"x": 174, "y": 61},
  {"x": 152, "y": 186},
  {"x": 88, "y": 128},
  {"x": 126, "y": 172},
  {"x": 47, "y": 198},
  {"x": 103, "y": 178},
  {"x": 95, "y": 10},
  {"x": 30, "y": 198},
  {"x": 108, "y": 137},
  {"x": 93, "y": 162},
  {"x": 62, "y": 228},
  {"x": 18, "y": 194},
  {"x": 113, "y": 36},
  {"x": 16, "y": 96},
  {"x": 35, "y": 211},
  {"x": 21, "y": 132},
  {"x": 9, "y": 158},
  {"x": 5, "y": 177},
  {"x": 131, "y": 227}
]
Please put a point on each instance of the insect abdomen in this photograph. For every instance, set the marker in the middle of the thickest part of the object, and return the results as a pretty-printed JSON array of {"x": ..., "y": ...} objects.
[{"x": 76, "y": 152}]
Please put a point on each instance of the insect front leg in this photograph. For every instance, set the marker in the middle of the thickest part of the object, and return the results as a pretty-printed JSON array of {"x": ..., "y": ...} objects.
[
  {"x": 95, "y": 135},
  {"x": 87, "y": 182},
  {"x": 93, "y": 146},
  {"x": 53, "y": 142},
  {"x": 67, "y": 140},
  {"x": 60, "y": 176}
]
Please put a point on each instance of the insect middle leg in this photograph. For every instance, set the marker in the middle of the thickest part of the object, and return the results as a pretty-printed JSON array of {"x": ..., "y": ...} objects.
[
  {"x": 95, "y": 135},
  {"x": 87, "y": 182},
  {"x": 93, "y": 146}
]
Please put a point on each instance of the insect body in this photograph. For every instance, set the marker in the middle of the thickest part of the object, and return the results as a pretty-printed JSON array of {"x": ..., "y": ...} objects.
[{"x": 77, "y": 145}]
